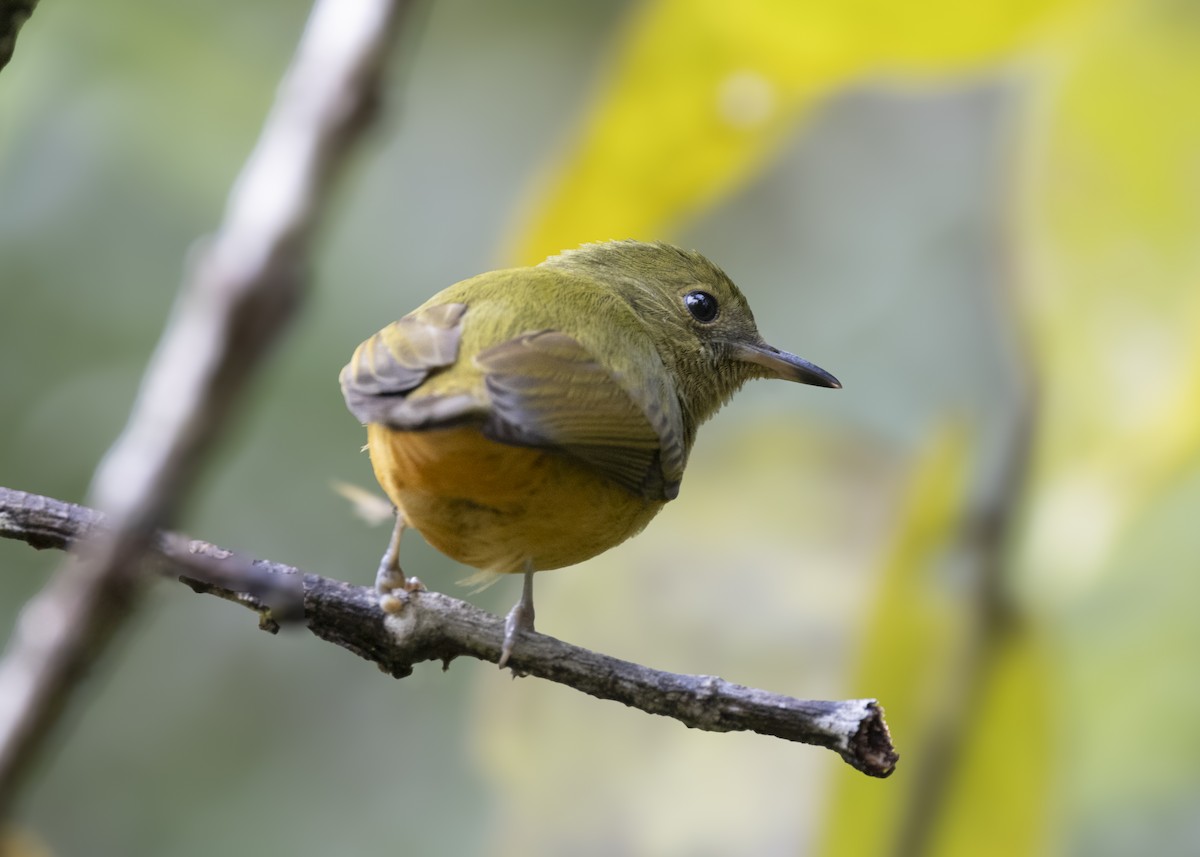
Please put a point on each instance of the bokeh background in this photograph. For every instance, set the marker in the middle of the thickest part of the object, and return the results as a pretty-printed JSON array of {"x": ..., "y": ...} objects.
[{"x": 982, "y": 217}]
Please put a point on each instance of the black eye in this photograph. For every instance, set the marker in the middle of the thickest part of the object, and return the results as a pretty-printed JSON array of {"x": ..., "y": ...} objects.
[{"x": 701, "y": 305}]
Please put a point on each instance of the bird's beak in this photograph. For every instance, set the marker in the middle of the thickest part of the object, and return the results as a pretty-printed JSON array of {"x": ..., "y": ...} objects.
[{"x": 789, "y": 367}]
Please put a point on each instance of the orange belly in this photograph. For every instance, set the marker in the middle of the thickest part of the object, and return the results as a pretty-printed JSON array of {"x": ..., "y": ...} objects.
[{"x": 502, "y": 508}]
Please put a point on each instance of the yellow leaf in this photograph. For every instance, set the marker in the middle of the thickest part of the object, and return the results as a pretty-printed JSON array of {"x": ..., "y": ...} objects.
[
  {"x": 1113, "y": 206},
  {"x": 998, "y": 801},
  {"x": 701, "y": 94},
  {"x": 909, "y": 652}
]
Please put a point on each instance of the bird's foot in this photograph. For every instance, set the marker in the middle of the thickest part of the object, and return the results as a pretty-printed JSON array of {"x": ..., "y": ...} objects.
[
  {"x": 390, "y": 582},
  {"x": 519, "y": 619},
  {"x": 395, "y": 589}
]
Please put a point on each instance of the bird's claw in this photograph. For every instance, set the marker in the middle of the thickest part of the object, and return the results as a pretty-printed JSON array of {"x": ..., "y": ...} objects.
[
  {"x": 519, "y": 620},
  {"x": 396, "y": 591}
]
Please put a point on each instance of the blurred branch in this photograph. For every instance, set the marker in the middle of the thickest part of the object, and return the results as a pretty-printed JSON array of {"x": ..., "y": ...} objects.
[
  {"x": 13, "y": 15},
  {"x": 245, "y": 285},
  {"x": 436, "y": 627},
  {"x": 985, "y": 541}
]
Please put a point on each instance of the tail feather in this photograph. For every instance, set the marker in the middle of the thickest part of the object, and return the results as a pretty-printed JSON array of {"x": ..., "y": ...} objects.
[{"x": 480, "y": 580}]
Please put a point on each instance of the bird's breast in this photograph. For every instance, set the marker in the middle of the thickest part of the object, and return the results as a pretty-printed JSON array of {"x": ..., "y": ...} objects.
[{"x": 498, "y": 507}]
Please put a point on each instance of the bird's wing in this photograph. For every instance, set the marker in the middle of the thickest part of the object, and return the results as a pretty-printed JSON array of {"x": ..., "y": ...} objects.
[
  {"x": 548, "y": 390},
  {"x": 395, "y": 361}
]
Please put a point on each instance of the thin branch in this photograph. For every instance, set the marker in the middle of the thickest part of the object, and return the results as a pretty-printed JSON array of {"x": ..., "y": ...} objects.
[
  {"x": 436, "y": 627},
  {"x": 986, "y": 542},
  {"x": 13, "y": 15},
  {"x": 245, "y": 286}
]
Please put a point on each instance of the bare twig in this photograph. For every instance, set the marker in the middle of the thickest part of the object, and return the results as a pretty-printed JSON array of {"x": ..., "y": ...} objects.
[
  {"x": 13, "y": 15},
  {"x": 436, "y": 627},
  {"x": 244, "y": 287}
]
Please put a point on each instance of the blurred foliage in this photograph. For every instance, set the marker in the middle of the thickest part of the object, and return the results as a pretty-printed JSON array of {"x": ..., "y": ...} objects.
[
  {"x": 698, "y": 98},
  {"x": 1000, "y": 796},
  {"x": 891, "y": 184},
  {"x": 15, "y": 842},
  {"x": 914, "y": 622}
]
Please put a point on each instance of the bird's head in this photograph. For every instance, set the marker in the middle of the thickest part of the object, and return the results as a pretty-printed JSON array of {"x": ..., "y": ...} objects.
[{"x": 697, "y": 318}]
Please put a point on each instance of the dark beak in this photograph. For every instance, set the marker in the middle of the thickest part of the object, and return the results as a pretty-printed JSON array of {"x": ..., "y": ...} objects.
[{"x": 789, "y": 367}]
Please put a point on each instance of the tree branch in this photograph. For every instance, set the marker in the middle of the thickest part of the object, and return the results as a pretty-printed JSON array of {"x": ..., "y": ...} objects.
[
  {"x": 245, "y": 286},
  {"x": 13, "y": 15},
  {"x": 986, "y": 541},
  {"x": 436, "y": 627}
]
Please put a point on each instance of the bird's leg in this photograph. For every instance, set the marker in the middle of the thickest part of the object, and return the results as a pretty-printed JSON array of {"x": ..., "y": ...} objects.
[
  {"x": 391, "y": 584},
  {"x": 390, "y": 576},
  {"x": 520, "y": 618}
]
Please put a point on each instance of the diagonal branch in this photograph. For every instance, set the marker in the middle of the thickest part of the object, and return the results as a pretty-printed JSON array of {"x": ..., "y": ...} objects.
[
  {"x": 246, "y": 284},
  {"x": 436, "y": 627},
  {"x": 13, "y": 15}
]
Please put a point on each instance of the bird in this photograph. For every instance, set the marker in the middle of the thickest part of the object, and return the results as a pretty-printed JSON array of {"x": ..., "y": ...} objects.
[{"x": 531, "y": 418}]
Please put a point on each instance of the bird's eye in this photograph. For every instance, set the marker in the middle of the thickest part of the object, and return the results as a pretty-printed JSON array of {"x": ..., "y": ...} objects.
[{"x": 701, "y": 305}]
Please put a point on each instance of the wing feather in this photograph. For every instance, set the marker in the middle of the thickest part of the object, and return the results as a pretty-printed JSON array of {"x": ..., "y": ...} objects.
[
  {"x": 547, "y": 390},
  {"x": 390, "y": 365},
  {"x": 541, "y": 389}
]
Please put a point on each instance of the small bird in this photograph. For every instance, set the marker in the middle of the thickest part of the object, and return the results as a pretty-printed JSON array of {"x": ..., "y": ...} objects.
[{"x": 531, "y": 418}]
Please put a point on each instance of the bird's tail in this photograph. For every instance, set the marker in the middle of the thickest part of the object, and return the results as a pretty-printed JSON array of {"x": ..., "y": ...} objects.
[{"x": 480, "y": 580}]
